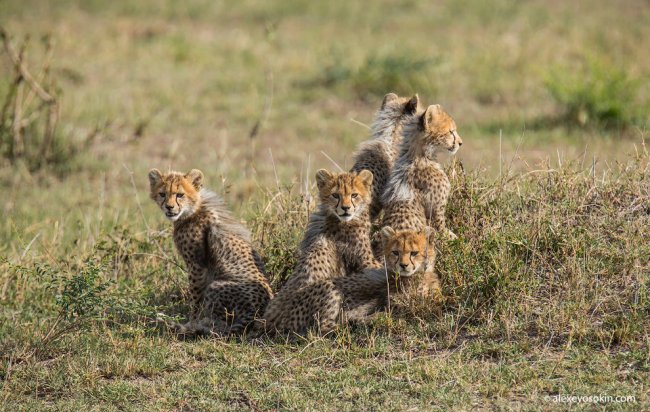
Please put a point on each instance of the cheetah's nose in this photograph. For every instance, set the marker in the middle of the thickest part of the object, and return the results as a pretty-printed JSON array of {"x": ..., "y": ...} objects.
[
  {"x": 460, "y": 144},
  {"x": 403, "y": 266},
  {"x": 345, "y": 208},
  {"x": 169, "y": 207}
]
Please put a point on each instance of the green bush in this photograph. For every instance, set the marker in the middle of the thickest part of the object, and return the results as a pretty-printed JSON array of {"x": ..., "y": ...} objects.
[{"x": 597, "y": 94}]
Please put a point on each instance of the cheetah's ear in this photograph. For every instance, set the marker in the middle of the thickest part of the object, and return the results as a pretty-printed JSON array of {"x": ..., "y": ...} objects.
[
  {"x": 412, "y": 105},
  {"x": 387, "y": 232},
  {"x": 154, "y": 178},
  {"x": 195, "y": 176},
  {"x": 366, "y": 177},
  {"x": 390, "y": 97},
  {"x": 323, "y": 178},
  {"x": 430, "y": 115}
]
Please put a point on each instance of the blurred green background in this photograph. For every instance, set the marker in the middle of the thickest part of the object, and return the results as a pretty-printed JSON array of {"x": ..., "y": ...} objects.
[{"x": 181, "y": 85}]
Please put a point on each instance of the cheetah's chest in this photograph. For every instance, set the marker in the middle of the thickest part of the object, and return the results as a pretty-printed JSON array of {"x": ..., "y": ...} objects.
[
  {"x": 190, "y": 240},
  {"x": 431, "y": 184}
]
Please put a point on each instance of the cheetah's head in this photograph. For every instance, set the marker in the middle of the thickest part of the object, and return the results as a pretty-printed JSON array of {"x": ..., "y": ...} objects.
[
  {"x": 345, "y": 195},
  {"x": 407, "y": 252},
  {"x": 176, "y": 194},
  {"x": 397, "y": 106},
  {"x": 439, "y": 132}
]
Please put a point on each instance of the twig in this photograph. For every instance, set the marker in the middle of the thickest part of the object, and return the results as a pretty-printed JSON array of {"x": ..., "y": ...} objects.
[
  {"x": 29, "y": 245},
  {"x": 332, "y": 160},
  {"x": 161, "y": 257},
  {"x": 275, "y": 172},
  {"x": 268, "y": 101},
  {"x": 45, "y": 69},
  {"x": 17, "y": 147},
  {"x": 360, "y": 123},
  {"x": 137, "y": 198},
  {"x": 18, "y": 63},
  {"x": 50, "y": 127}
]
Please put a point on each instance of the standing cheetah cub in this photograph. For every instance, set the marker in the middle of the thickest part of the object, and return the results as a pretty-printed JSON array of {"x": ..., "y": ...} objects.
[
  {"x": 337, "y": 242},
  {"x": 379, "y": 153},
  {"x": 417, "y": 176},
  {"x": 228, "y": 286}
]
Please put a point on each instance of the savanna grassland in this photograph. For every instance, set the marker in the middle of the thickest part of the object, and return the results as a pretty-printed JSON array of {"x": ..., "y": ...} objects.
[{"x": 546, "y": 287}]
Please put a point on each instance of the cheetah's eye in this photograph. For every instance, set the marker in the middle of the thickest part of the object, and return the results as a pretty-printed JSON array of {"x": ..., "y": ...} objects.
[
  {"x": 335, "y": 195},
  {"x": 179, "y": 195},
  {"x": 161, "y": 194},
  {"x": 414, "y": 253},
  {"x": 355, "y": 195},
  {"x": 396, "y": 252}
]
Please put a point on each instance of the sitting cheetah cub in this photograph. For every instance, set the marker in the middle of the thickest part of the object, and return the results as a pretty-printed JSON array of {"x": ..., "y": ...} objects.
[
  {"x": 337, "y": 242},
  {"x": 417, "y": 176},
  {"x": 379, "y": 153},
  {"x": 228, "y": 286}
]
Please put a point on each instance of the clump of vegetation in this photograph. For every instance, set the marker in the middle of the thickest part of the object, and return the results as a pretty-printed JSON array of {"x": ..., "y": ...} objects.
[
  {"x": 597, "y": 94},
  {"x": 278, "y": 229},
  {"x": 550, "y": 257},
  {"x": 555, "y": 255},
  {"x": 29, "y": 112},
  {"x": 400, "y": 73},
  {"x": 74, "y": 300}
]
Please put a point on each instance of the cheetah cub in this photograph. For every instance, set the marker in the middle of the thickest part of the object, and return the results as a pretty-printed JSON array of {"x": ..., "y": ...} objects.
[
  {"x": 228, "y": 286},
  {"x": 417, "y": 176},
  {"x": 409, "y": 257},
  {"x": 336, "y": 243},
  {"x": 379, "y": 153}
]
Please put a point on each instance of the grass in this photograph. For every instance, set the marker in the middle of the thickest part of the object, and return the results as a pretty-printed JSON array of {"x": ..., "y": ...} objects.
[{"x": 547, "y": 285}]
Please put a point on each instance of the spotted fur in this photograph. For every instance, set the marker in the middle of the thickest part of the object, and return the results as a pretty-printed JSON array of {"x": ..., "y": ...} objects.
[
  {"x": 379, "y": 153},
  {"x": 409, "y": 268},
  {"x": 228, "y": 285},
  {"x": 336, "y": 243},
  {"x": 417, "y": 176}
]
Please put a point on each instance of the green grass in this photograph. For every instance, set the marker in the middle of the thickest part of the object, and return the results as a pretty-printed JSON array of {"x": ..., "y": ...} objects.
[
  {"x": 546, "y": 287},
  {"x": 597, "y": 94}
]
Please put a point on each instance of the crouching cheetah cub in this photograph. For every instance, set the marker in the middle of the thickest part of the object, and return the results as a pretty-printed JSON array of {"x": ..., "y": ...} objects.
[
  {"x": 417, "y": 176},
  {"x": 379, "y": 153},
  {"x": 409, "y": 257},
  {"x": 228, "y": 286},
  {"x": 336, "y": 243}
]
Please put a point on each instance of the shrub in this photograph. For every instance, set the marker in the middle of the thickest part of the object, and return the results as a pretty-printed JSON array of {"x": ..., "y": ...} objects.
[
  {"x": 29, "y": 112},
  {"x": 596, "y": 94},
  {"x": 555, "y": 255}
]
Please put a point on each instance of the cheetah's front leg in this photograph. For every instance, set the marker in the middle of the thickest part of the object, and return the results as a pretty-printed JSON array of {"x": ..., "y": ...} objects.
[
  {"x": 198, "y": 282},
  {"x": 367, "y": 258},
  {"x": 437, "y": 220}
]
